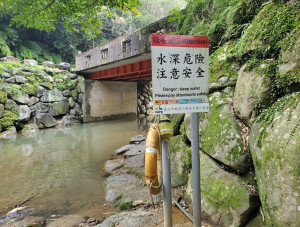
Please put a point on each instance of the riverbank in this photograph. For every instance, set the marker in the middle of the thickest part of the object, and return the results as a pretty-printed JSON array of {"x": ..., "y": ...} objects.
[
  {"x": 127, "y": 199},
  {"x": 126, "y": 189}
]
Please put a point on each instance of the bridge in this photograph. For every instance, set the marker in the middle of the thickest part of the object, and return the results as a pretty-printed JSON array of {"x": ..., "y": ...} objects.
[{"x": 113, "y": 69}]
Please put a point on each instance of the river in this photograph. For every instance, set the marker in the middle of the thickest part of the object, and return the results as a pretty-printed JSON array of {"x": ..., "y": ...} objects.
[{"x": 63, "y": 168}]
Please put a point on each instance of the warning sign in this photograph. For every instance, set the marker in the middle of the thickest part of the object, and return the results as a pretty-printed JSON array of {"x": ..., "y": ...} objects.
[{"x": 179, "y": 73}]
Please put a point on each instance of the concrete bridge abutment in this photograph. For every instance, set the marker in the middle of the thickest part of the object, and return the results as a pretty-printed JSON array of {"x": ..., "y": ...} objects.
[{"x": 108, "y": 99}]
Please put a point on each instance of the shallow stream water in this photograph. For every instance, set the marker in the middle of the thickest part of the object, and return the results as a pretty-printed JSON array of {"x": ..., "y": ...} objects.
[{"x": 63, "y": 168}]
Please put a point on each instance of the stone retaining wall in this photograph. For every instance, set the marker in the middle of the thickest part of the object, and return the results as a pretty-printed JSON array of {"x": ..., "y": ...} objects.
[{"x": 34, "y": 96}]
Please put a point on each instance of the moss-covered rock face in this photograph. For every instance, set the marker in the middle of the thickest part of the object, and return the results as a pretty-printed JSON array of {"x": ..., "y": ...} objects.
[
  {"x": 180, "y": 161},
  {"x": 288, "y": 76},
  {"x": 220, "y": 20},
  {"x": 3, "y": 97},
  {"x": 222, "y": 63},
  {"x": 257, "y": 221},
  {"x": 220, "y": 135},
  {"x": 275, "y": 146},
  {"x": 176, "y": 120},
  {"x": 224, "y": 198},
  {"x": 270, "y": 26},
  {"x": 252, "y": 93},
  {"x": 8, "y": 119}
]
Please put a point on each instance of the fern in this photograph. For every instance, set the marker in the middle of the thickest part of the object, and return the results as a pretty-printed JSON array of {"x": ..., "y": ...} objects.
[{"x": 4, "y": 48}]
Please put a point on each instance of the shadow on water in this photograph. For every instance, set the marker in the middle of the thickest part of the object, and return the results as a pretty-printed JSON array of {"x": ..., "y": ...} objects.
[{"x": 64, "y": 167}]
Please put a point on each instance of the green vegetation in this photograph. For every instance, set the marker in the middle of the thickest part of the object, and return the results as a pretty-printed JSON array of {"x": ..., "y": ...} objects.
[
  {"x": 219, "y": 129},
  {"x": 63, "y": 23},
  {"x": 30, "y": 89},
  {"x": 223, "y": 195},
  {"x": 223, "y": 63},
  {"x": 123, "y": 205},
  {"x": 270, "y": 26},
  {"x": 220, "y": 20},
  {"x": 3, "y": 97},
  {"x": 44, "y": 15},
  {"x": 8, "y": 119},
  {"x": 290, "y": 101}
]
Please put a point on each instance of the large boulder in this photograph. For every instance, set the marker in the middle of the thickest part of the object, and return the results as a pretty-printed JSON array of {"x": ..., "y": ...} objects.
[
  {"x": 30, "y": 62},
  {"x": 70, "y": 120},
  {"x": 11, "y": 105},
  {"x": 24, "y": 113},
  {"x": 33, "y": 100},
  {"x": 275, "y": 146},
  {"x": 117, "y": 184},
  {"x": 41, "y": 107},
  {"x": 220, "y": 134},
  {"x": 222, "y": 63},
  {"x": 59, "y": 108},
  {"x": 20, "y": 79},
  {"x": 64, "y": 66},
  {"x": 135, "y": 218},
  {"x": 288, "y": 78},
  {"x": 49, "y": 64},
  {"x": 47, "y": 85},
  {"x": 10, "y": 59},
  {"x": 253, "y": 90},
  {"x": 46, "y": 119},
  {"x": 30, "y": 130},
  {"x": 180, "y": 161},
  {"x": 111, "y": 165},
  {"x": 176, "y": 120},
  {"x": 21, "y": 98},
  {"x": 223, "y": 196},
  {"x": 54, "y": 95},
  {"x": 10, "y": 133}
]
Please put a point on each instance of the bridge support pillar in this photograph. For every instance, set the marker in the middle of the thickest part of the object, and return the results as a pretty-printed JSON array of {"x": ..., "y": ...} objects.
[{"x": 108, "y": 99}]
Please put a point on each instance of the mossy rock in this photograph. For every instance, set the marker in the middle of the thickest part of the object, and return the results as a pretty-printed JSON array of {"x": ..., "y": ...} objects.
[
  {"x": 271, "y": 25},
  {"x": 180, "y": 160},
  {"x": 223, "y": 196},
  {"x": 288, "y": 76},
  {"x": 8, "y": 119},
  {"x": 221, "y": 21},
  {"x": 3, "y": 97},
  {"x": 176, "y": 120},
  {"x": 253, "y": 92},
  {"x": 222, "y": 63},
  {"x": 29, "y": 88},
  {"x": 257, "y": 221},
  {"x": 220, "y": 135},
  {"x": 275, "y": 145}
]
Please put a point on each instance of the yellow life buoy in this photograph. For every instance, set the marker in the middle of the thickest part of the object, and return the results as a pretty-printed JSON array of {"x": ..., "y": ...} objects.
[{"x": 153, "y": 168}]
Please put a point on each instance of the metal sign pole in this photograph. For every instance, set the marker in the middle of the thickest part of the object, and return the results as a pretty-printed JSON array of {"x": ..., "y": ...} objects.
[
  {"x": 166, "y": 184},
  {"x": 196, "y": 170}
]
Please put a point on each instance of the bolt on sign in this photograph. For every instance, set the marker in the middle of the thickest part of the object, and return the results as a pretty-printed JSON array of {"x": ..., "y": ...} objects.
[{"x": 179, "y": 73}]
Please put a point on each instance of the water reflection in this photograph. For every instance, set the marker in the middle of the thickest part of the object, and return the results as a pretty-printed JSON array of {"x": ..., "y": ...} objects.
[{"x": 62, "y": 166}]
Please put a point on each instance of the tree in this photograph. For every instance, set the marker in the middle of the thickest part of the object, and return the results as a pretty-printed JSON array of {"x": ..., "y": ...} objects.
[{"x": 73, "y": 14}]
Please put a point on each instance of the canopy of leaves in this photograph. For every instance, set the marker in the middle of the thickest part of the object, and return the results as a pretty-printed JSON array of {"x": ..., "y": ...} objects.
[
  {"x": 73, "y": 14},
  {"x": 62, "y": 44}
]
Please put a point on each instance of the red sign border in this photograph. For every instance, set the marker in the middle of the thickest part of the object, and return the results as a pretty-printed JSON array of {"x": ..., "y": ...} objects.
[{"x": 179, "y": 40}]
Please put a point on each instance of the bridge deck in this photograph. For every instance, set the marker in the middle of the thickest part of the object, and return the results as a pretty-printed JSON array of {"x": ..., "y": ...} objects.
[{"x": 124, "y": 58}]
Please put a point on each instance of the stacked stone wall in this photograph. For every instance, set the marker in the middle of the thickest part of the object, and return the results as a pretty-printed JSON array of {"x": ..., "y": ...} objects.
[{"x": 38, "y": 96}]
